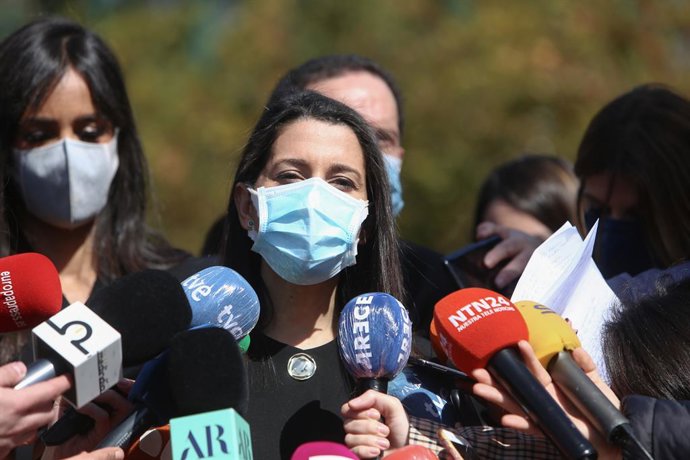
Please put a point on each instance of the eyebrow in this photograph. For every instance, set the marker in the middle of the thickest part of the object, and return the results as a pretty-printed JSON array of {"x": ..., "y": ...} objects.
[
  {"x": 385, "y": 135},
  {"x": 335, "y": 168},
  {"x": 82, "y": 118}
]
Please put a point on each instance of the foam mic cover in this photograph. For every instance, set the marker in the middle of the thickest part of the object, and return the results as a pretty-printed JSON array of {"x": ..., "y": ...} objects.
[
  {"x": 219, "y": 296},
  {"x": 552, "y": 339},
  {"x": 148, "y": 308},
  {"x": 548, "y": 333},
  {"x": 375, "y": 338},
  {"x": 412, "y": 453},
  {"x": 479, "y": 328},
  {"x": 481, "y": 322},
  {"x": 207, "y": 372},
  {"x": 435, "y": 344},
  {"x": 322, "y": 450},
  {"x": 203, "y": 370},
  {"x": 30, "y": 291}
]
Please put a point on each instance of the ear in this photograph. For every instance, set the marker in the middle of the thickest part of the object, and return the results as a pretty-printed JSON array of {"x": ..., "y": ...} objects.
[{"x": 248, "y": 216}]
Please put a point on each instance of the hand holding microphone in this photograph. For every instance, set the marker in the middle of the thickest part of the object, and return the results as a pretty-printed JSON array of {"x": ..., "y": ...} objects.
[
  {"x": 106, "y": 411},
  {"x": 25, "y": 411},
  {"x": 554, "y": 341},
  {"x": 479, "y": 328},
  {"x": 365, "y": 434},
  {"x": 375, "y": 339}
]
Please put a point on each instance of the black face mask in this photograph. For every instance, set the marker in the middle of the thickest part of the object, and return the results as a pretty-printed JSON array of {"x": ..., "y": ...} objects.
[{"x": 621, "y": 245}]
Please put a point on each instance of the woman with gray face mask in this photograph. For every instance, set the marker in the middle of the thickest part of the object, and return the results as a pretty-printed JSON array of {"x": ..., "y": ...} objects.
[{"x": 73, "y": 174}]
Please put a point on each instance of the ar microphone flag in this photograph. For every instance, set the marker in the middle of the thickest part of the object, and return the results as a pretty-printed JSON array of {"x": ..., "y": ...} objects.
[
  {"x": 375, "y": 338},
  {"x": 323, "y": 450},
  {"x": 553, "y": 339},
  {"x": 30, "y": 291},
  {"x": 220, "y": 434},
  {"x": 480, "y": 328},
  {"x": 219, "y": 296}
]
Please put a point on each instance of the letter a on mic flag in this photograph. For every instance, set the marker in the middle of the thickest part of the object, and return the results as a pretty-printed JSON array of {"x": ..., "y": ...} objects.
[{"x": 221, "y": 434}]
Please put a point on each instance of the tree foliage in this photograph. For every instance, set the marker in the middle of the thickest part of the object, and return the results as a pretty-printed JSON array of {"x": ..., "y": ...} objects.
[{"x": 483, "y": 82}]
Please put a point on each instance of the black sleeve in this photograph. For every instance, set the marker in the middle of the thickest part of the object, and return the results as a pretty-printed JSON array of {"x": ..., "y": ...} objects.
[{"x": 662, "y": 426}]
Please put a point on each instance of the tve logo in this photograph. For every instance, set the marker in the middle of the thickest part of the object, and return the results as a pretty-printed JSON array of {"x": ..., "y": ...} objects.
[{"x": 221, "y": 434}]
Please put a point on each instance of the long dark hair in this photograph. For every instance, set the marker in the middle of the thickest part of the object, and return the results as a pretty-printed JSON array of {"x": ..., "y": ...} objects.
[
  {"x": 378, "y": 266},
  {"x": 644, "y": 136},
  {"x": 32, "y": 61}
]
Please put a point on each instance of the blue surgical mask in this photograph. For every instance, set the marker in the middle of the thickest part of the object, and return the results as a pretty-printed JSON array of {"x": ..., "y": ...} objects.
[
  {"x": 66, "y": 183},
  {"x": 393, "y": 168},
  {"x": 308, "y": 231},
  {"x": 621, "y": 245}
]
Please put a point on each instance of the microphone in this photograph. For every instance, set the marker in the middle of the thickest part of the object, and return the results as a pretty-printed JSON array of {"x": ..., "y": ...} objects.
[
  {"x": 30, "y": 291},
  {"x": 480, "y": 328},
  {"x": 219, "y": 296},
  {"x": 412, "y": 453},
  {"x": 553, "y": 339},
  {"x": 375, "y": 339},
  {"x": 322, "y": 450},
  {"x": 147, "y": 308},
  {"x": 202, "y": 371}
]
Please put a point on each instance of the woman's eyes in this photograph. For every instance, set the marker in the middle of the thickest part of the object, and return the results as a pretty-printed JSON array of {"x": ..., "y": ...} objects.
[
  {"x": 92, "y": 133},
  {"x": 342, "y": 183},
  {"x": 36, "y": 137}
]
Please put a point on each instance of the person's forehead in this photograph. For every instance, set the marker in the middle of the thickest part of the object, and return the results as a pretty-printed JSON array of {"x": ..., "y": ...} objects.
[{"x": 366, "y": 93}]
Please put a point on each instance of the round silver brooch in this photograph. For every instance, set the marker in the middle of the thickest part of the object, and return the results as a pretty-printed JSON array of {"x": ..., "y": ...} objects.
[{"x": 301, "y": 366}]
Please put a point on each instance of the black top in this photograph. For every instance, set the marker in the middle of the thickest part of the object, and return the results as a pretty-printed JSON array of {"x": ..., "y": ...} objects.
[{"x": 284, "y": 412}]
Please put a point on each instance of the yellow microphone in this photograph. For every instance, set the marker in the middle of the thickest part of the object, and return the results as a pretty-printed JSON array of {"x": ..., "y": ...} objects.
[{"x": 553, "y": 339}]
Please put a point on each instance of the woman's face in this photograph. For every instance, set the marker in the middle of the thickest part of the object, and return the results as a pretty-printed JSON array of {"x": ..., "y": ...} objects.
[
  {"x": 311, "y": 148},
  {"x": 67, "y": 112},
  {"x": 619, "y": 198},
  {"x": 500, "y": 212}
]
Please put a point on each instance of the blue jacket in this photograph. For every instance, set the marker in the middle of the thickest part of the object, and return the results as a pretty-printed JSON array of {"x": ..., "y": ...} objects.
[{"x": 662, "y": 426}]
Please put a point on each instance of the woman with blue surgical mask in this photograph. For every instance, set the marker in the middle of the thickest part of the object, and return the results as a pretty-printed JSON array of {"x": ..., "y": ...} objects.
[
  {"x": 310, "y": 226},
  {"x": 634, "y": 172},
  {"x": 73, "y": 174}
]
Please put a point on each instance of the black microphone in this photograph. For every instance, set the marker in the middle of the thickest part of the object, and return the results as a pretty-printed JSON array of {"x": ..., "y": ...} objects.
[
  {"x": 148, "y": 308},
  {"x": 203, "y": 371}
]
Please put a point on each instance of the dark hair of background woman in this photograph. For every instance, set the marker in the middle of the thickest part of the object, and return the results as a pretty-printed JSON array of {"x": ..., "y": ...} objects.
[
  {"x": 377, "y": 267},
  {"x": 644, "y": 135},
  {"x": 32, "y": 61},
  {"x": 539, "y": 185},
  {"x": 647, "y": 345}
]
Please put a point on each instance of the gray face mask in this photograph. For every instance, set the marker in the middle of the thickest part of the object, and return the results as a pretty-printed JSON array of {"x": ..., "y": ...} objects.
[{"x": 66, "y": 184}]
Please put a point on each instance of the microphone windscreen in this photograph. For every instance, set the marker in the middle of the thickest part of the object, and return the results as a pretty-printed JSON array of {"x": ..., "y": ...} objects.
[
  {"x": 375, "y": 336},
  {"x": 219, "y": 296},
  {"x": 147, "y": 308},
  {"x": 30, "y": 291},
  {"x": 207, "y": 372},
  {"x": 474, "y": 323},
  {"x": 322, "y": 450},
  {"x": 435, "y": 342},
  {"x": 548, "y": 332}
]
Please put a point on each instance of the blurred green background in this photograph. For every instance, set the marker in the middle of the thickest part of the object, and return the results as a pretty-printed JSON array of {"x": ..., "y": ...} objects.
[{"x": 483, "y": 82}]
